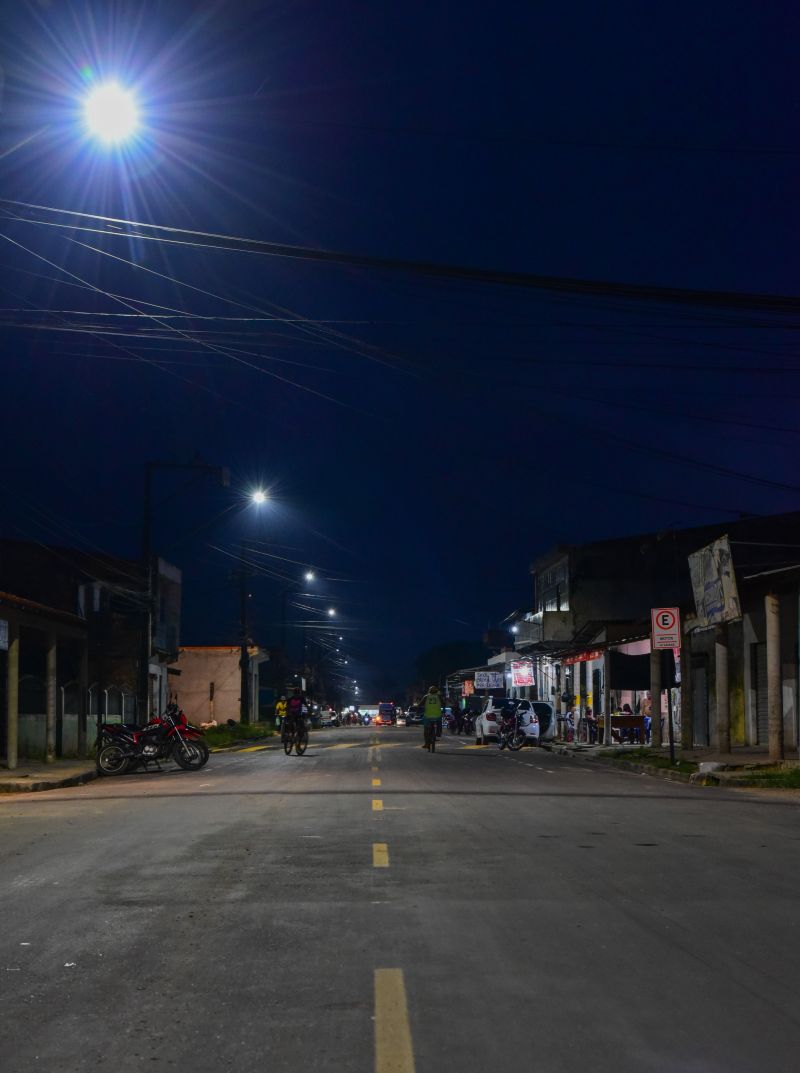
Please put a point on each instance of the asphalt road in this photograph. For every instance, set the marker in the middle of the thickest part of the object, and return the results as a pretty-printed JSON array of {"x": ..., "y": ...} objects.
[{"x": 375, "y": 908}]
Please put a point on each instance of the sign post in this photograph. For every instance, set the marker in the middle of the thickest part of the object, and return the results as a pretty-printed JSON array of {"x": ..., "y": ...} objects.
[{"x": 666, "y": 622}]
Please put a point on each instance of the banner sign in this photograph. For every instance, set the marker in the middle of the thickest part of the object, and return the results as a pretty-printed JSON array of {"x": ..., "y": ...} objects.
[
  {"x": 489, "y": 680},
  {"x": 666, "y": 622},
  {"x": 714, "y": 584},
  {"x": 522, "y": 673},
  {"x": 467, "y": 688},
  {"x": 583, "y": 657}
]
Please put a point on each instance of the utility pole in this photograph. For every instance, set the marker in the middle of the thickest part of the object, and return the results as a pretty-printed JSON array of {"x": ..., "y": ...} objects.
[
  {"x": 244, "y": 651},
  {"x": 772, "y": 611},
  {"x": 222, "y": 473}
]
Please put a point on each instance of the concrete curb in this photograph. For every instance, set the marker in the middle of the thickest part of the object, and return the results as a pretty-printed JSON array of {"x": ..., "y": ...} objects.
[
  {"x": 693, "y": 778},
  {"x": 31, "y": 786}
]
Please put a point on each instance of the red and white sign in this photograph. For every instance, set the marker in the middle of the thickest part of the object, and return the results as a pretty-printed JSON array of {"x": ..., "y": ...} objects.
[
  {"x": 522, "y": 673},
  {"x": 582, "y": 657},
  {"x": 666, "y": 627}
]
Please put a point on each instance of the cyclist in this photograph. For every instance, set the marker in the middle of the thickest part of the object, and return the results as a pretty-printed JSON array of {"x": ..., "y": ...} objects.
[
  {"x": 294, "y": 717},
  {"x": 280, "y": 712},
  {"x": 432, "y": 709}
]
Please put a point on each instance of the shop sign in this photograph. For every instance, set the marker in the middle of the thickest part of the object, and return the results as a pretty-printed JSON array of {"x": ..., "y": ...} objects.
[
  {"x": 467, "y": 688},
  {"x": 666, "y": 627},
  {"x": 714, "y": 584},
  {"x": 522, "y": 673},
  {"x": 583, "y": 657},
  {"x": 489, "y": 680},
  {"x": 3, "y": 635}
]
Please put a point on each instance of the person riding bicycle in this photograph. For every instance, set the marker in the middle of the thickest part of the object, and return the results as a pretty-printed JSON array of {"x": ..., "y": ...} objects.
[
  {"x": 294, "y": 711},
  {"x": 432, "y": 713},
  {"x": 280, "y": 712}
]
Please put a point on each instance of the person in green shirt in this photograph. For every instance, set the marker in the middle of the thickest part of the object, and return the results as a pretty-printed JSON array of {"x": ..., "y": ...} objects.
[{"x": 432, "y": 715}]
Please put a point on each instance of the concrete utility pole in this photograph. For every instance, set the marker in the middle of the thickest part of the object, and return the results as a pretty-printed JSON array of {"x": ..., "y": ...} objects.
[
  {"x": 52, "y": 699},
  {"x": 244, "y": 651},
  {"x": 655, "y": 694},
  {"x": 12, "y": 696},
  {"x": 687, "y": 694},
  {"x": 607, "y": 698},
  {"x": 772, "y": 609},
  {"x": 721, "y": 690}
]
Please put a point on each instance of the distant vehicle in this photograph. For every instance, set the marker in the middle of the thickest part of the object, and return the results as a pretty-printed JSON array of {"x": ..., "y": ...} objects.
[
  {"x": 414, "y": 716},
  {"x": 400, "y": 719},
  {"x": 329, "y": 719},
  {"x": 385, "y": 715}
]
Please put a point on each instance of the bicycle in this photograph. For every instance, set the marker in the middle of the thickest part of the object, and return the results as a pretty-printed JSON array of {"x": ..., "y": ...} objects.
[
  {"x": 430, "y": 735},
  {"x": 294, "y": 737}
]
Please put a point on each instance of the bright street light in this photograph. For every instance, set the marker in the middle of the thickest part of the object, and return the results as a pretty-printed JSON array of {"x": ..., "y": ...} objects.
[
  {"x": 310, "y": 575},
  {"x": 111, "y": 113},
  {"x": 332, "y": 611},
  {"x": 259, "y": 497}
]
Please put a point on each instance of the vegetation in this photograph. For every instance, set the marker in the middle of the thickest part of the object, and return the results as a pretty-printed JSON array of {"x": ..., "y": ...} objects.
[
  {"x": 781, "y": 778},
  {"x": 226, "y": 735},
  {"x": 651, "y": 758}
]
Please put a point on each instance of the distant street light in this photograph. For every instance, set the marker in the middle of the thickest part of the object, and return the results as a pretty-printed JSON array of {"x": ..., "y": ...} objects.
[
  {"x": 111, "y": 113},
  {"x": 259, "y": 497},
  {"x": 332, "y": 612},
  {"x": 310, "y": 575}
]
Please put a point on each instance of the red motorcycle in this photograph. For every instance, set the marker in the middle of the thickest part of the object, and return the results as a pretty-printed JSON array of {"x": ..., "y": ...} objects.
[{"x": 123, "y": 747}]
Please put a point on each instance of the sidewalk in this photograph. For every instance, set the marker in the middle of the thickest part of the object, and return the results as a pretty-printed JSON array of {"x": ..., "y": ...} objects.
[
  {"x": 31, "y": 776},
  {"x": 745, "y": 756}
]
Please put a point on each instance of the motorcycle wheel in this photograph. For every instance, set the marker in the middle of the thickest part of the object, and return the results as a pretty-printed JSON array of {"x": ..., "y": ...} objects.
[
  {"x": 516, "y": 741},
  {"x": 111, "y": 760},
  {"x": 302, "y": 742},
  {"x": 190, "y": 755}
]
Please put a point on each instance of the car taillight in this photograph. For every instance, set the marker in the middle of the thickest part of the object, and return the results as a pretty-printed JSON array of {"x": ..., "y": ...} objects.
[{"x": 491, "y": 717}]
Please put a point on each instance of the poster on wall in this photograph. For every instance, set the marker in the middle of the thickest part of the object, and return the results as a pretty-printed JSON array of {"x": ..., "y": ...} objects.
[
  {"x": 522, "y": 672},
  {"x": 489, "y": 680},
  {"x": 714, "y": 584}
]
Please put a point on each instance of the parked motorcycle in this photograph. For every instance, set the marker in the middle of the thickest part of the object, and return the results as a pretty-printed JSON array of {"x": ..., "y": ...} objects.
[
  {"x": 510, "y": 732},
  {"x": 124, "y": 747}
]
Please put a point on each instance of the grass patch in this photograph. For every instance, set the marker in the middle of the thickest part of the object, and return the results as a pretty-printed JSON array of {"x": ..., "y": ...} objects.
[
  {"x": 782, "y": 778},
  {"x": 225, "y": 735},
  {"x": 653, "y": 759}
]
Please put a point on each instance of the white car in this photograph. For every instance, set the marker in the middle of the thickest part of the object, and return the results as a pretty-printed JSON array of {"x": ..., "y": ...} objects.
[{"x": 487, "y": 725}]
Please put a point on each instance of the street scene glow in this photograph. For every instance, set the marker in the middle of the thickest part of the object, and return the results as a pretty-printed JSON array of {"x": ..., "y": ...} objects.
[{"x": 111, "y": 113}]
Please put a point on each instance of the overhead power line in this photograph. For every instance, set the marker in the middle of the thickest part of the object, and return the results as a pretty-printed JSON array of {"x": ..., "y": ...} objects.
[{"x": 113, "y": 228}]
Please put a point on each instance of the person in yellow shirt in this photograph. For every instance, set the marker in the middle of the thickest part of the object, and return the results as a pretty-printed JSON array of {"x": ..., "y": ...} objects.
[{"x": 280, "y": 712}]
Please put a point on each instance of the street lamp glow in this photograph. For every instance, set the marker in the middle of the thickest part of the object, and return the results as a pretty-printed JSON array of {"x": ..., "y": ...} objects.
[
  {"x": 259, "y": 497},
  {"x": 332, "y": 611},
  {"x": 310, "y": 575},
  {"x": 111, "y": 113}
]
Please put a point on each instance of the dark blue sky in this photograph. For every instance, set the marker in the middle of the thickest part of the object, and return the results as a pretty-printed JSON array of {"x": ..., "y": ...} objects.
[{"x": 465, "y": 427}]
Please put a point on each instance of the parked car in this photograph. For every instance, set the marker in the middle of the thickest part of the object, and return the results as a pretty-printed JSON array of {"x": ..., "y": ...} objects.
[
  {"x": 400, "y": 718},
  {"x": 547, "y": 719},
  {"x": 486, "y": 725}
]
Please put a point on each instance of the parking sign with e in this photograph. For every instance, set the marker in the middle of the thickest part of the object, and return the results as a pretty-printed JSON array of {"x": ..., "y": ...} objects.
[{"x": 666, "y": 622}]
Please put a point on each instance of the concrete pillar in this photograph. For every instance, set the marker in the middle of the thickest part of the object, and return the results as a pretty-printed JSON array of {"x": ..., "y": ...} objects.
[
  {"x": 655, "y": 693},
  {"x": 772, "y": 611},
  {"x": 722, "y": 729},
  {"x": 83, "y": 698},
  {"x": 687, "y": 694},
  {"x": 51, "y": 699},
  {"x": 607, "y": 698},
  {"x": 12, "y": 697}
]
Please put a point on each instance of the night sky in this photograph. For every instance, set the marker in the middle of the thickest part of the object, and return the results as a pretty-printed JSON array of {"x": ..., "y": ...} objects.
[{"x": 423, "y": 439}]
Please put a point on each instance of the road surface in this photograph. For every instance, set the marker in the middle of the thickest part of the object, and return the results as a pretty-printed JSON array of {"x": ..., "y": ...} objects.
[{"x": 370, "y": 907}]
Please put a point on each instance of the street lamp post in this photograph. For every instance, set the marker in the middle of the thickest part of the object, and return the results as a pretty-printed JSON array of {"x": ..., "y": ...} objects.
[{"x": 258, "y": 497}]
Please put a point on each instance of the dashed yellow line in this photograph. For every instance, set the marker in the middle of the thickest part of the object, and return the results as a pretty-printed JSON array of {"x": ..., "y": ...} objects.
[
  {"x": 254, "y": 749},
  {"x": 376, "y": 782},
  {"x": 377, "y": 805},
  {"x": 394, "y": 1050},
  {"x": 380, "y": 855}
]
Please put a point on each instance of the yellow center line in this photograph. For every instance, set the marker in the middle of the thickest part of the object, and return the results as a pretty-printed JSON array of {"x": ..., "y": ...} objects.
[
  {"x": 376, "y": 782},
  {"x": 377, "y": 805},
  {"x": 394, "y": 1050},
  {"x": 380, "y": 855},
  {"x": 374, "y": 768}
]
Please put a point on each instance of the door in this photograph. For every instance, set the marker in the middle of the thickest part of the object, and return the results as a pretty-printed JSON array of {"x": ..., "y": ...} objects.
[
  {"x": 700, "y": 703},
  {"x": 758, "y": 662}
]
